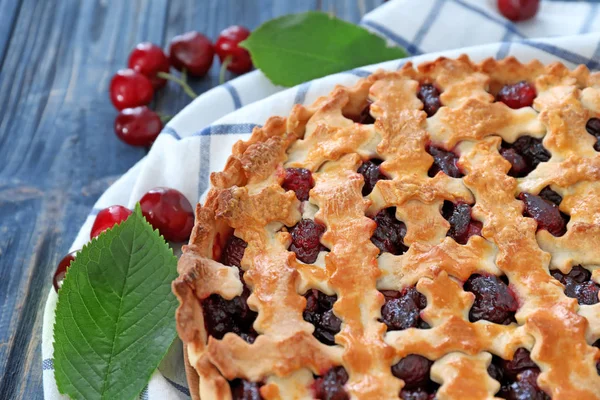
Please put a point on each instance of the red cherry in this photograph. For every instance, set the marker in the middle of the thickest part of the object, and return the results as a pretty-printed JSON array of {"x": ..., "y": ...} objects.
[
  {"x": 149, "y": 59},
  {"x": 109, "y": 217},
  {"x": 170, "y": 212},
  {"x": 227, "y": 46},
  {"x": 129, "y": 88},
  {"x": 138, "y": 126},
  {"x": 61, "y": 270},
  {"x": 192, "y": 51},
  {"x": 518, "y": 10}
]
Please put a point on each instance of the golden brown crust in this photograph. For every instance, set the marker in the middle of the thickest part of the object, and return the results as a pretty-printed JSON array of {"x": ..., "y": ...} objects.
[{"x": 248, "y": 201}]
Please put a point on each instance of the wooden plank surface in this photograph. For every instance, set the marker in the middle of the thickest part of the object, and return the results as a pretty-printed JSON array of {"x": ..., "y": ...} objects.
[{"x": 58, "y": 152}]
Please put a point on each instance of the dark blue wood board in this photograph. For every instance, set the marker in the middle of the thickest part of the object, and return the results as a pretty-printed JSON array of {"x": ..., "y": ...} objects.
[{"x": 58, "y": 152}]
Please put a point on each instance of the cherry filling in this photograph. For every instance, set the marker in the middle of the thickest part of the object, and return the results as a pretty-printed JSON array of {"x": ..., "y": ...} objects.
[
  {"x": 578, "y": 285},
  {"x": 402, "y": 310},
  {"x": 319, "y": 312},
  {"x": 331, "y": 385},
  {"x": 494, "y": 300},
  {"x": 430, "y": 97},
  {"x": 306, "y": 236},
  {"x": 299, "y": 180},
  {"x": 524, "y": 155},
  {"x": 544, "y": 209},
  {"x": 462, "y": 226},
  {"x": 389, "y": 234},
  {"x": 364, "y": 117},
  {"x": 371, "y": 173},
  {"x": 593, "y": 128},
  {"x": 223, "y": 316},
  {"x": 443, "y": 160},
  {"x": 518, "y": 95},
  {"x": 414, "y": 371},
  {"x": 242, "y": 389},
  {"x": 517, "y": 377}
]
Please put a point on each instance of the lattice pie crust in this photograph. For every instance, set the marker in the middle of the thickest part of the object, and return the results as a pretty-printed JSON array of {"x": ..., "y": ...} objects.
[{"x": 248, "y": 201}]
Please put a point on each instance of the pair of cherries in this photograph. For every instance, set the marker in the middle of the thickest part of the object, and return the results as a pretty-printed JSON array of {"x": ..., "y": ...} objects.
[
  {"x": 165, "y": 209},
  {"x": 132, "y": 89}
]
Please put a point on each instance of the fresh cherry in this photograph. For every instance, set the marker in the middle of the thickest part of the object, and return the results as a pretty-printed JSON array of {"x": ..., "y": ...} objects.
[
  {"x": 149, "y": 59},
  {"x": 109, "y": 217},
  {"x": 227, "y": 45},
  {"x": 518, "y": 10},
  {"x": 170, "y": 212},
  {"x": 516, "y": 96},
  {"x": 129, "y": 88},
  {"x": 193, "y": 52},
  {"x": 61, "y": 270},
  {"x": 138, "y": 126}
]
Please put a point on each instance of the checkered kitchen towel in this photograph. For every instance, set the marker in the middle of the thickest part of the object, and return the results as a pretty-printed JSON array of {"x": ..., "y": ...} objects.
[{"x": 198, "y": 140}]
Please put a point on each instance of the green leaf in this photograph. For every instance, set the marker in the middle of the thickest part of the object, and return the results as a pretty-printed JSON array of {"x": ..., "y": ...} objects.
[
  {"x": 300, "y": 47},
  {"x": 115, "y": 317}
]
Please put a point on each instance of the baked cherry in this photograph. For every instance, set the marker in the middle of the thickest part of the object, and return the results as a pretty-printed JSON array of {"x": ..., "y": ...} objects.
[
  {"x": 138, "y": 126},
  {"x": 550, "y": 195},
  {"x": 149, "y": 59},
  {"x": 233, "y": 252},
  {"x": 518, "y": 95},
  {"x": 129, "y": 88},
  {"x": 193, "y": 52},
  {"x": 227, "y": 48},
  {"x": 389, "y": 233},
  {"x": 61, "y": 270},
  {"x": 578, "y": 285},
  {"x": 364, "y": 117},
  {"x": 319, "y": 312},
  {"x": 524, "y": 155},
  {"x": 593, "y": 128},
  {"x": 518, "y": 10},
  {"x": 430, "y": 97},
  {"x": 299, "y": 180},
  {"x": 413, "y": 370},
  {"x": 306, "y": 235},
  {"x": 331, "y": 385},
  {"x": 462, "y": 226},
  {"x": 546, "y": 213},
  {"x": 517, "y": 377},
  {"x": 371, "y": 174},
  {"x": 170, "y": 212},
  {"x": 109, "y": 217},
  {"x": 242, "y": 389},
  {"x": 416, "y": 394},
  {"x": 223, "y": 316},
  {"x": 402, "y": 310},
  {"x": 494, "y": 300},
  {"x": 443, "y": 160}
]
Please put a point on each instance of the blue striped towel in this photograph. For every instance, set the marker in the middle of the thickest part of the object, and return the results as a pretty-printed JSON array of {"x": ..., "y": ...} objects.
[{"x": 198, "y": 140}]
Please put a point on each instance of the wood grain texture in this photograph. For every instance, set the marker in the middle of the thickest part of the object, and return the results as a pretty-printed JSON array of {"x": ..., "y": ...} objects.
[{"x": 58, "y": 152}]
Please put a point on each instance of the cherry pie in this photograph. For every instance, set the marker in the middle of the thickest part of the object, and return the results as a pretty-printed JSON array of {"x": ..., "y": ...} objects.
[{"x": 428, "y": 233}]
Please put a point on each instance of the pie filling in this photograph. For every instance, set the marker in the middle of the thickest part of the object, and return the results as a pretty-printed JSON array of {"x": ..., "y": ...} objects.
[{"x": 494, "y": 300}]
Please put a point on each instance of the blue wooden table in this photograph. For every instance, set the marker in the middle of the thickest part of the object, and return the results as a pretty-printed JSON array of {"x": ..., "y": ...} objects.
[{"x": 58, "y": 152}]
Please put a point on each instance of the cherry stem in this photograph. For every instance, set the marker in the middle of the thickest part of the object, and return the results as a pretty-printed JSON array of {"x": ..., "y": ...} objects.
[
  {"x": 164, "y": 118},
  {"x": 224, "y": 66},
  {"x": 181, "y": 82}
]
